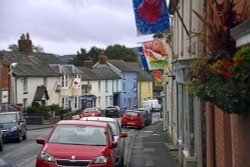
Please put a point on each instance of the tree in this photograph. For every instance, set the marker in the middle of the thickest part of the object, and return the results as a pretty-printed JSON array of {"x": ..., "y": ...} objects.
[
  {"x": 79, "y": 58},
  {"x": 94, "y": 53},
  {"x": 37, "y": 49},
  {"x": 120, "y": 52}
]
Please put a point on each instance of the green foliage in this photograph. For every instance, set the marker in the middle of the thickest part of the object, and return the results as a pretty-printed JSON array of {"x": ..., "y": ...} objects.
[
  {"x": 120, "y": 52},
  {"x": 55, "y": 107},
  {"x": 94, "y": 53},
  {"x": 37, "y": 49},
  {"x": 225, "y": 82},
  {"x": 35, "y": 104}
]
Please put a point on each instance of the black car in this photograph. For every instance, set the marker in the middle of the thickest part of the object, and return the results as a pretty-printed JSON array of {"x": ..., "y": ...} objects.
[
  {"x": 147, "y": 114},
  {"x": 13, "y": 125},
  {"x": 113, "y": 111}
]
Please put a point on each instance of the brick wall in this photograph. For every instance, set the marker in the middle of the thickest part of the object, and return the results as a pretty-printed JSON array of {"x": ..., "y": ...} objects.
[
  {"x": 241, "y": 140},
  {"x": 223, "y": 146}
]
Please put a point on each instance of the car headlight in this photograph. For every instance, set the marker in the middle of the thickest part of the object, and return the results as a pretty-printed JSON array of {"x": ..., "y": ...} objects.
[
  {"x": 100, "y": 160},
  {"x": 46, "y": 157},
  {"x": 14, "y": 128}
]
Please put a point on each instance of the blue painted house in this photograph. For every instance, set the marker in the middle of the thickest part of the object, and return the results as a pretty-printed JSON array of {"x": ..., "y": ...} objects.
[{"x": 126, "y": 97}]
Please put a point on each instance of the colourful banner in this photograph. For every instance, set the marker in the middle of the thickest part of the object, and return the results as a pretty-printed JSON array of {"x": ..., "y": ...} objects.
[
  {"x": 158, "y": 77},
  {"x": 144, "y": 63},
  {"x": 151, "y": 16},
  {"x": 156, "y": 54}
]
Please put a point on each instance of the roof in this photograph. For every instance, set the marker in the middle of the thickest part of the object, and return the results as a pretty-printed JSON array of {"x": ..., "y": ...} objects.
[
  {"x": 121, "y": 65},
  {"x": 41, "y": 92},
  {"x": 35, "y": 65},
  {"x": 99, "y": 73},
  {"x": 80, "y": 122}
]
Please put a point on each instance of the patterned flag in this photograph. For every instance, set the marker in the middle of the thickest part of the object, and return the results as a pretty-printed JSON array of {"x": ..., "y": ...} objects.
[
  {"x": 151, "y": 16},
  {"x": 142, "y": 57},
  {"x": 158, "y": 77},
  {"x": 156, "y": 54}
]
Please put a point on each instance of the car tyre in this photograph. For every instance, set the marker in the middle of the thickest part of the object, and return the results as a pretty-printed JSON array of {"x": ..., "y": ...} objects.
[
  {"x": 19, "y": 137},
  {"x": 1, "y": 145},
  {"x": 25, "y": 136}
]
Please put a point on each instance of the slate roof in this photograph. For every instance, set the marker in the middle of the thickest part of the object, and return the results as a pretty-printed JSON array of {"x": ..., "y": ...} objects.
[
  {"x": 35, "y": 65},
  {"x": 65, "y": 69},
  {"x": 121, "y": 65},
  {"x": 100, "y": 73}
]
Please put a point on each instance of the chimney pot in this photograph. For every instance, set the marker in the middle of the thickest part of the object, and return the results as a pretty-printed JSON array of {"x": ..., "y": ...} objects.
[
  {"x": 88, "y": 63},
  {"x": 25, "y": 44},
  {"x": 103, "y": 59}
]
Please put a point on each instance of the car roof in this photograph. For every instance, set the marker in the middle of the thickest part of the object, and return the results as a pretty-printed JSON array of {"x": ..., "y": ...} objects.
[
  {"x": 106, "y": 119},
  {"x": 133, "y": 111},
  {"x": 81, "y": 122}
]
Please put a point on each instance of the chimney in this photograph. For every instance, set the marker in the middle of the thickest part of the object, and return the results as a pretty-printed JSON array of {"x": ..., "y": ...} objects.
[
  {"x": 25, "y": 44},
  {"x": 88, "y": 63},
  {"x": 103, "y": 59}
]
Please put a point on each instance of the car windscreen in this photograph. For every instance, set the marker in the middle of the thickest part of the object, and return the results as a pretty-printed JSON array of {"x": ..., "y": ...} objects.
[
  {"x": 133, "y": 114},
  {"x": 89, "y": 110},
  {"x": 7, "y": 117},
  {"x": 79, "y": 135}
]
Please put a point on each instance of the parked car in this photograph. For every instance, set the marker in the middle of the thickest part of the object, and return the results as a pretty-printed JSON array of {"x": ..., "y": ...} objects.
[
  {"x": 13, "y": 125},
  {"x": 78, "y": 143},
  {"x": 153, "y": 105},
  {"x": 147, "y": 115},
  {"x": 1, "y": 140},
  {"x": 133, "y": 118},
  {"x": 113, "y": 111},
  {"x": 90, "y": 112},
  {"x": 118, "y": 136}
]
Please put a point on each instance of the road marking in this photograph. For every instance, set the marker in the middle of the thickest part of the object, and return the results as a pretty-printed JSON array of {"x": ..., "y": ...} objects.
[{"x": 27, "y": 160}]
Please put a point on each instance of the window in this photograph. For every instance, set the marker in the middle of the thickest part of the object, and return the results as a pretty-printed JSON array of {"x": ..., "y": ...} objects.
[
  {"x": 135, "y": 75},
  {"x": 45, "y": 81},
  {"x": 99, "y": 86},
  {"x": 25, "y": 84},
  {"x": 64, "y": 81},
  {"x": 106, "y": 86},
  {"x": 117, "y": 85},
  {"x": 124, "y": 86},
  {"x": 77, "y": 102},
  {"x": 135, "y": 85},
  {"x": 106, "y": 100},
  {"x": 64, "y": 102},
  {"x": 135, "y": 101}
]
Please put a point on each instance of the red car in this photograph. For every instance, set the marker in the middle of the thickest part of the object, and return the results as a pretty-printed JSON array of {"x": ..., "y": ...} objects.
[
  {"x": 133, "y": 118},
  {"x": 90, "y": 112},
  {"x": 78, "y": 143}
]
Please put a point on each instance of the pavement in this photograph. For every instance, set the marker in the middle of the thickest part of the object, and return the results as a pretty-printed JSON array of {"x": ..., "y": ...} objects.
[{"x": 149, "y": 148}]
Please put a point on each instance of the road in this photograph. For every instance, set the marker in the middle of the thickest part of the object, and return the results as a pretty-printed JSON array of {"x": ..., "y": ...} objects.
[{"x": 24, "y": 154}]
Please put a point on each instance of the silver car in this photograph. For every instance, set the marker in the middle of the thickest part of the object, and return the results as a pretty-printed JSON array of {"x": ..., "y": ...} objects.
[{"x": 118, "y": 136}]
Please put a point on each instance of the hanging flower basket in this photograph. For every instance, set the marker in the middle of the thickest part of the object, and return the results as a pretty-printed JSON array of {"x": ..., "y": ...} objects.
[{"x": 225, "y": 82}]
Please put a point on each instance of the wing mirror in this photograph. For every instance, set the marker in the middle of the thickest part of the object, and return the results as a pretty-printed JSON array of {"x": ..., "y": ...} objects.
[
  {"x": 40, "y": 140},
  {"x": 124, "y": 134}
]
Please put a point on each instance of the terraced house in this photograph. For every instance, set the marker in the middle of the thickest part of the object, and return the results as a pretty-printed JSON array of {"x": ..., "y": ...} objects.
[{"x": 41, "y": 77}]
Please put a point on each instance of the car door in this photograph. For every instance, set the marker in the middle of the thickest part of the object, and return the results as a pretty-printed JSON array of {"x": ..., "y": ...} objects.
[{"x": 113, "y": 151}]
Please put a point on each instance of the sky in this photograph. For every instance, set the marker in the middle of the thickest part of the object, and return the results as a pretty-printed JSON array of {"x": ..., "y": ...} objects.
[{"x": 64, "y": 26}]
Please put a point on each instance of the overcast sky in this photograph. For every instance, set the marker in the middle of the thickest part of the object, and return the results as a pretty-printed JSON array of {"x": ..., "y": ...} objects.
[{"x": 64, "y": 26}]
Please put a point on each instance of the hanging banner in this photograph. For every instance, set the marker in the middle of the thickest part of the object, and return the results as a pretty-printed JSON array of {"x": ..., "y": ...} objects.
[
  {"x": 143, "y": 59},
  {"x": 151, "y": 16},
  {"x": 156, "y": 54},
  {"x": 158, "y": 78}
]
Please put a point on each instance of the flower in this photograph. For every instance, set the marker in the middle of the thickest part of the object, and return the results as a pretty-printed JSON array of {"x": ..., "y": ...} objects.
[
  {"x": 226, "y": 63},
  {"x": 227, "y": 74}
]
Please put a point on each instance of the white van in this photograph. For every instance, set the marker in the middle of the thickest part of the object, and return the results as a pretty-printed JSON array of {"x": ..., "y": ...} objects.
[{"x": 153, "y": 105}]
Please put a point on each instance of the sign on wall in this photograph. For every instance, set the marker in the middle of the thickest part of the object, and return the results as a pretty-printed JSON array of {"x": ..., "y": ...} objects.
[{"x": 5, "y": 97}]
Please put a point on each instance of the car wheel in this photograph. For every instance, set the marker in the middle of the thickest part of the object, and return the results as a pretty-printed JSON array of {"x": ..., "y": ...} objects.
[
  {"x": 25, "y": 136},
  {"x": 19, "y": 137},
  {"x": 1, "y": 145}
]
